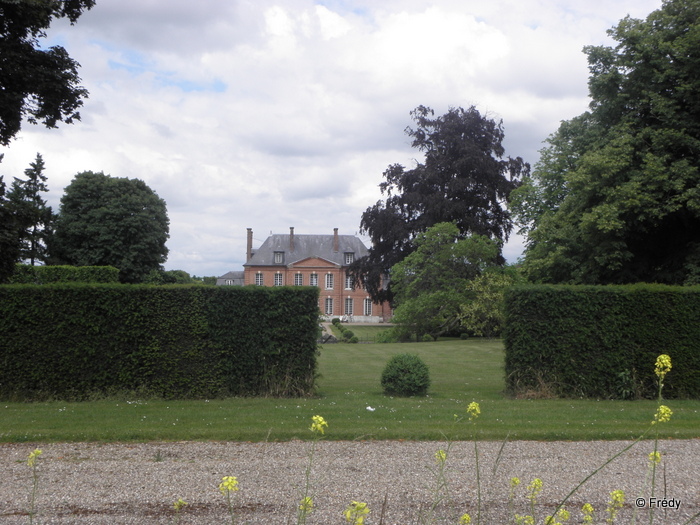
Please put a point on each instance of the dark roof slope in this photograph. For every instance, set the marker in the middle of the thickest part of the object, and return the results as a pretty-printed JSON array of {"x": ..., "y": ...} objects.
[{"x": 305, "y": 246}]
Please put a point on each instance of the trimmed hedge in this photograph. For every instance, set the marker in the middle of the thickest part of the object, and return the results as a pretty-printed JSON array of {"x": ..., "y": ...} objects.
[
  {"x": 602, "y": 341},
  {"x": 27, "y": 274},
  {"x": 74, "y": 341}
]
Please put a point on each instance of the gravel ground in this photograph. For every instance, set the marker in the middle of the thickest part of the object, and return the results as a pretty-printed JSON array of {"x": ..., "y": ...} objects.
[{"x": 92, "y": 483}]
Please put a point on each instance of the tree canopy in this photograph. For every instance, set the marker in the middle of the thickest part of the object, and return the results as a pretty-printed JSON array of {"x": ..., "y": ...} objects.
[
  {"x": 615, "y": 197},
  {"x": 464, "y": 179},
  {"x": 110, "y": 221},
  {"x": 37, "y": 83},
  {"x": 430, "y": 284}
]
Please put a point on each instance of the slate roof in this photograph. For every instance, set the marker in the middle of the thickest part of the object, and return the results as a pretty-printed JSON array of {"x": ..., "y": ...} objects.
[
  {"x": 236, "y": 277},
  {"x": 306, "y": 246}
]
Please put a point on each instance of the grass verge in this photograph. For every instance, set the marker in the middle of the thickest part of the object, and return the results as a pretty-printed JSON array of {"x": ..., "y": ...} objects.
[{"x": 351, "y": 400}]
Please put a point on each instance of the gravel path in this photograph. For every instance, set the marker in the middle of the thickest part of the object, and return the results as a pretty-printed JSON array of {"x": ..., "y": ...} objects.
[{"x": 91, "y": 483}]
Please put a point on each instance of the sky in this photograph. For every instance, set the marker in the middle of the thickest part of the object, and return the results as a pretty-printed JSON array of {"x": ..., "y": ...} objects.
[{"x": 269, "y": 114}]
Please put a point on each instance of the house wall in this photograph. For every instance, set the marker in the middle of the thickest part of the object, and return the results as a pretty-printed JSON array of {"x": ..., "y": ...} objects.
[{"x": 338, "y": 293}]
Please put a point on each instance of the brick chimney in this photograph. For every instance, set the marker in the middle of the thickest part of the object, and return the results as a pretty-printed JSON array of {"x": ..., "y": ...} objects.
[
  {"x": 291, "y": 238},
  {"x": 249, "y": 248},
  {"x": 336, "y": 243}
]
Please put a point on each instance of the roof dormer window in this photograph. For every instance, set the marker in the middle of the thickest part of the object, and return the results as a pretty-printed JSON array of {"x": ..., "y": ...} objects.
[
  {"x": 279, "y": 257},
  {"x": 349, "y": 257}
]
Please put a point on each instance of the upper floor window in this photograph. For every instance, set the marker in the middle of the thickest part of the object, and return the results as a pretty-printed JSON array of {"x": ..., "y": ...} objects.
[
  {"x": 298, "y": 279},
  {"x": 348, "y": 282},
  {"x": 329, "y": 281},
  {"x": 313, "y": 279},
  {"x": 279, "y": 257},
  {"x": 349, "y": 257},
  {"x": 278, "y": 279},
  {"x": 258, "y": 279}
]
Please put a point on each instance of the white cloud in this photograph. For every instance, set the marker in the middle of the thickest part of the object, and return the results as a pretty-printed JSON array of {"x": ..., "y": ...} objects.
[{"x": 270, "y": 114}]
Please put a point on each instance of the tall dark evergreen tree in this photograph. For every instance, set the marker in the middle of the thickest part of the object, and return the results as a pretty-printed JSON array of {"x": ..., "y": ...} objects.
[
  {"x": 464, "y": 179},
  {"x": 34, "y": 216}
]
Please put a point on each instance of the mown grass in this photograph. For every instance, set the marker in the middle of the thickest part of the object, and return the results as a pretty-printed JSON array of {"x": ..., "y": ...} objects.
[{"x": 350, "y": 399}]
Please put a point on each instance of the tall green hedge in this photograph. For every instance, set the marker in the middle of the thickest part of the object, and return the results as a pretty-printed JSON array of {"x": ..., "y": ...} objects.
[
  {"x": 27, "y": 274},
  {"x": 602, "y": 341},
  {"x": 72, "y": 341}
]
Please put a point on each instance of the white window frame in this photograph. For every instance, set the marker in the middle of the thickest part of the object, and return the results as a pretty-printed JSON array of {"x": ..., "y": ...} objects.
[
  {"x": 259, "y": 279},
  {"x": 348, "y": 282},
  {"x": 328, "y": 306},
  {"x": 279, "y": 279},
  {"x": 298, "y": 279},
  {"x": 313, "y": 279},
  {"x": 330, "y": 281},
  {"x": 349, "y": 303},
  {"x": 279, "y": 257},
  {"x": 368, "y": 307},
  {"x": 349, "y": 257}
]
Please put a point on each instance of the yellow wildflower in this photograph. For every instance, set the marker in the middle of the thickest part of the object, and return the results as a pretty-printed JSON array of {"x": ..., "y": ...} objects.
[
  {"x": 514, "y": 482},
  {"x": 587, "y": 510},
  {"x": 306, "y": 505},
  {"x": 617, "y": 499},
  {"x": 534, "y": 488},
  {"x": 663, "y": 365},
  {"x": 33, "y": 456},
  {"x": 474, "y": 410},
  {"x": 319, "y": 424},
  {"x": 655, "y": 457},
  {"x": 440, "y": 456},
  {"x": 466, "y": 519},
  {"x": 356, "y": 512},
  {"x": 228, "y": 484},
  {"x": 179, "y": 504},
  {"x": 663, "y": 414}
]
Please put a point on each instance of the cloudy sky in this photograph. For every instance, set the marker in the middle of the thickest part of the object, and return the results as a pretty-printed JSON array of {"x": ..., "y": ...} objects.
[{"x": 276, "y": 113}]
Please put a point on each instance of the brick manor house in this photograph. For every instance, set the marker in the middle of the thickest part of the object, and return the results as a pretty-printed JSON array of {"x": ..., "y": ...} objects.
[{"x": 311, "y": 260}]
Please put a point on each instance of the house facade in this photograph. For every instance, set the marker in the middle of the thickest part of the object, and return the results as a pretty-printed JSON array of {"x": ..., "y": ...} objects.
[{"x": 315, "y": 260}]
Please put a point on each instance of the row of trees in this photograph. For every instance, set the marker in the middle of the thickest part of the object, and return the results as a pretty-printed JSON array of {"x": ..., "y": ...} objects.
[
  {"x": 102, "y": 221},
  {"x": 614, "y": 198}
]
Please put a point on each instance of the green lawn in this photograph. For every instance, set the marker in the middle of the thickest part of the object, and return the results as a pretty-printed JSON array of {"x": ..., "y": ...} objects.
[{"x": 461, "y": 372}]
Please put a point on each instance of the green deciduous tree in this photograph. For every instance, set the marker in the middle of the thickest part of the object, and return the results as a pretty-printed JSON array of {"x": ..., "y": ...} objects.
[
  {"x": 616, "y": 195},
  {"x": 463, "y": 179},
  {"x": 35, "y": 218},
  {"x": 109, "y": 221},
  {"x": 430, "y": 284},
  {"x": 37, "y": 83}
]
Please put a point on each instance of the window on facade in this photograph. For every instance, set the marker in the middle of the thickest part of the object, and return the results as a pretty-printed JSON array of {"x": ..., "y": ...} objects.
[
  {"x": 229, "y": 281},
  {"x": 329, "y": 306},
  {"x": 368, "y": 307},
  {"x": 258, "y": 279},
  {"x": 279, "y": 257},
  {"x": 313, "y": 279},
  {"x": 329, "y": 281},
  {"x": 348, "y": 306},
  {"x": 278, "y": 279},
  {"x": 298, "y": 279},
  {"x": 348, "y": 282},
  {"x": 349, "y": 257}
]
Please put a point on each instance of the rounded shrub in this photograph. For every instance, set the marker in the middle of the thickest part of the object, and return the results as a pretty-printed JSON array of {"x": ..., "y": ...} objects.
[{"x": 405, "y": 375}]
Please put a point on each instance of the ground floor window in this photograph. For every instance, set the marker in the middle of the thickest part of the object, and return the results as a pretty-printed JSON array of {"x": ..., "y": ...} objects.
[
  {"x": 298, "y": 279},
  {"x": 348, "y": 306},
  {"x": 368, "y": 307},
  {"x": 278, "y": 279},
  {"x": 329, "y": 306},
  {"x": 258, "y": 279}
]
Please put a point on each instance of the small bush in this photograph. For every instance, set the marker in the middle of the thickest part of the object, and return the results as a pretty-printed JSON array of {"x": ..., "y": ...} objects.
[
  {"x": 348, "y": 334},
  {"x": 405, "y": 375},
  {"x": 427, "y": 338},
  {"x": 354, "y": 339}
]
